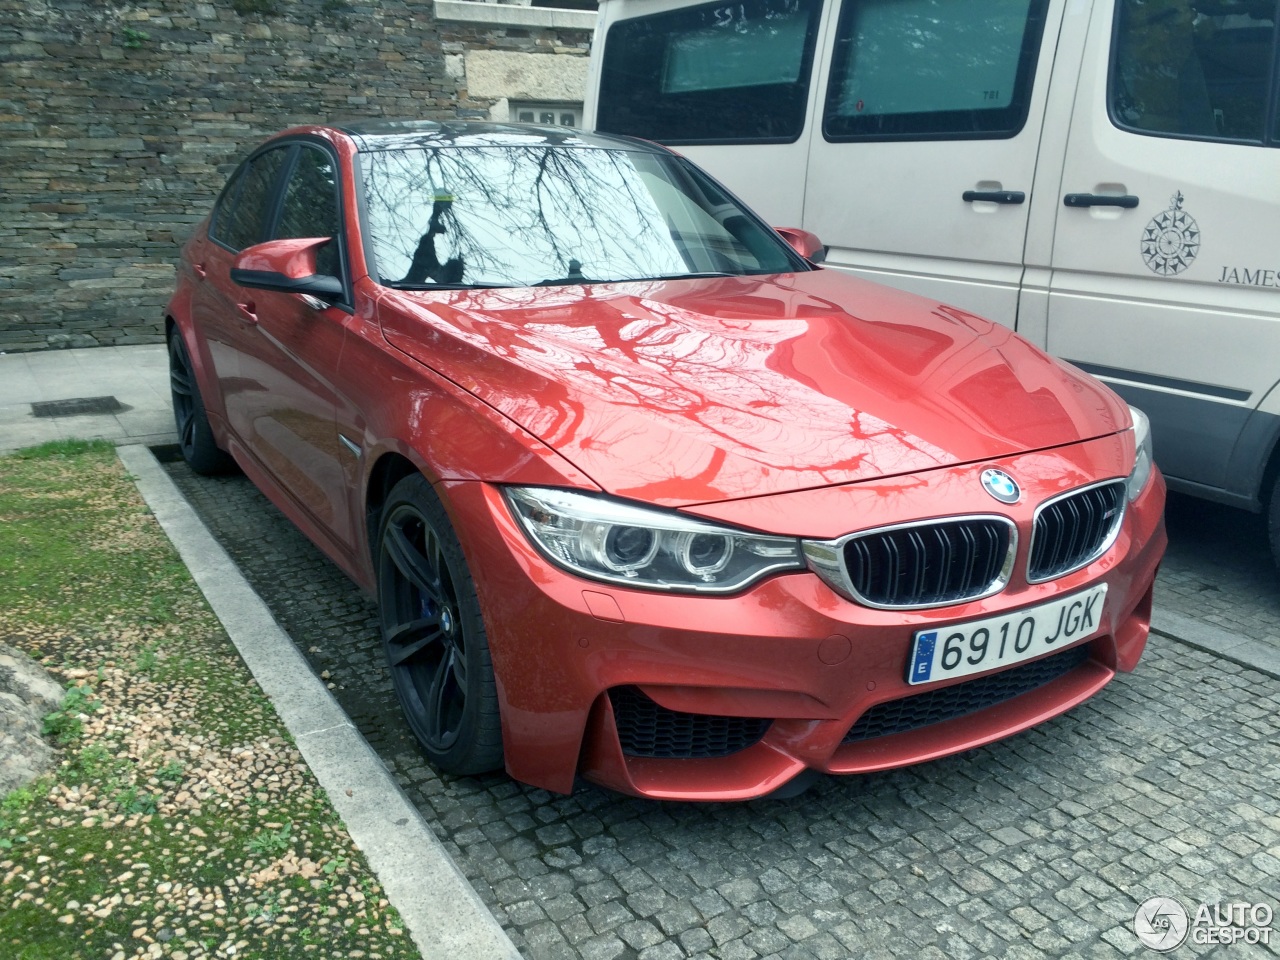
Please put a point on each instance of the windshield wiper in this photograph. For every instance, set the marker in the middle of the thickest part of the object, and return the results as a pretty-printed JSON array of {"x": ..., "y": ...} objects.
[
  {"x": 707, "y": 275},
  {"x": 397, "y": 285},
  {"x": 557, "y": 281},
  {"x": 564, "y": 281}
]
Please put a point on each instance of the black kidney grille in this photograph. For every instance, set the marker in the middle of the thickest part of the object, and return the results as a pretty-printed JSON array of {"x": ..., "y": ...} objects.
[
  {"x": 936, "y": 563},
  {"x": 912, "y": 713},
  {"x": 1071, "y": 531},
  {"x": 646, "y": 729}
]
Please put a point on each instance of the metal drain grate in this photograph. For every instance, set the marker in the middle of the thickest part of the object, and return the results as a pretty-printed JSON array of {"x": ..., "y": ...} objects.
[{"x": 77, "y": 407}]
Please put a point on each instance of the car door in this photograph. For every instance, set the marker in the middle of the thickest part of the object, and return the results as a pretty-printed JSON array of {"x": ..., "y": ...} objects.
[
  {"x": 285, "y": 409},
  {"x": 238, "y": 221},
  {"x": 1165, "y": 277},
  {"x": 920, "y": 172}
]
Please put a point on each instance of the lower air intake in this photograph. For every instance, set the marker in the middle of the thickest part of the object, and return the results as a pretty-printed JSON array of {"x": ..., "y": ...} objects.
[
  {"x": 646, "y": 729},
  {"x": 936, "y": 706}
]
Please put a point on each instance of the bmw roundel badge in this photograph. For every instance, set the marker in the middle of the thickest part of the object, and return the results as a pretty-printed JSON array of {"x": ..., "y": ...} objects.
[{"x": 1001, "y": 486}]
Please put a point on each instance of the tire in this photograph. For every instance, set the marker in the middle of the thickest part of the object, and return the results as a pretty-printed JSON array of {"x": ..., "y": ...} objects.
[
  {"x": 433, "y": 634},
  {"x": 195, "y": 438}
]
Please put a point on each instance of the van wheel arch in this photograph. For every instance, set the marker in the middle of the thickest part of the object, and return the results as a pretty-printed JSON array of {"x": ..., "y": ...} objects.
[
  {"x": 1269, "y": 499},
  {"x": 1273, "y": 518}
]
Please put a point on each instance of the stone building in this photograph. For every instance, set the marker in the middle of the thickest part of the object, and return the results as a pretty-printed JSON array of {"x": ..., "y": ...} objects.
[{"x": 119, "y": 123}]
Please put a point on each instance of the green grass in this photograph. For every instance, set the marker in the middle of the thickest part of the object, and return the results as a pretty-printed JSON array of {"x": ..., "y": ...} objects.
[
  {"x": 59, "y": 560},
  {"x": 177, "y": 786}
]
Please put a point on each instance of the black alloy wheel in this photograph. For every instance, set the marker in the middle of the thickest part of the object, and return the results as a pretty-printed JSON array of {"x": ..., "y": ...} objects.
[
  {"x": 433, "y": 634},
  {"x": 195, "y": 438}
]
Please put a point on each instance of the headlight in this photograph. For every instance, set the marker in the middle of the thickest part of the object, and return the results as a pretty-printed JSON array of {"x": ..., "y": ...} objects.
[
  {"x": 1141, "y": 472},
  {"x": 618, "y": 542}
]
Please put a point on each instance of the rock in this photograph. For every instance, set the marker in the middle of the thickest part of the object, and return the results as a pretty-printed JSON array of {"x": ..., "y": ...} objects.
[{"x": 27, "y": 693}]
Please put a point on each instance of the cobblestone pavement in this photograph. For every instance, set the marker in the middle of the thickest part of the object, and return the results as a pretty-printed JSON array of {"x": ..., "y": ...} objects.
[{"x": 1162, "y": 785}]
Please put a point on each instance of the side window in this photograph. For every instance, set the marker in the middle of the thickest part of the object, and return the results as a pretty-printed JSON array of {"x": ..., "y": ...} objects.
[
  {"x": 227, "y": 202},
  {"x": 1185, "y": 68},
  {"x": 311, "y": 206},
  {"x": 932, "y": 69},
  {"x": 242, "y": 218},
  {"x": 715, "y": 73}
]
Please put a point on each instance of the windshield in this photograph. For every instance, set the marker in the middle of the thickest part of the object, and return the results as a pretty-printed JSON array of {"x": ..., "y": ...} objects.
[{"x": 525, "y": 215}]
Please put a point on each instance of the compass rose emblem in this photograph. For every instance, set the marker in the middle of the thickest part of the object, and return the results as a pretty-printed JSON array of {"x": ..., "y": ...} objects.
[{"x": 1171, "y": 240}]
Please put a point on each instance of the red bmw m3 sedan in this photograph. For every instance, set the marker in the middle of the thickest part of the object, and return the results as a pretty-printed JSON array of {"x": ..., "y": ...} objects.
[{"x": 644, "y": 493}]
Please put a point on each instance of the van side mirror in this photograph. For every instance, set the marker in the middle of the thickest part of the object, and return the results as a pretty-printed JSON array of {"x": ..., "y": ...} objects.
[
  {"x": 288, "y": 266},
  {"x": 804, "y": 243}
]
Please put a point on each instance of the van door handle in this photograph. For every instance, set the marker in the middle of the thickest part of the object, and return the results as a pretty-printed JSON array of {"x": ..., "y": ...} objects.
[
  {"x": 994, "y": 196},
  {"x": 248, "y": 312},
  {"x": 1128, "y": 201}
]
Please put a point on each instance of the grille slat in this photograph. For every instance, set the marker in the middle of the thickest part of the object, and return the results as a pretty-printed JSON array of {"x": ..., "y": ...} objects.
[
  {"x": 1075, "y": 530},
  {"x": 961, "y": 699},
  {"x": 894, "y": 568},
  {"x": 916, "y": 571},
  {"x": 646, "y": 729},
  {"x": 931, "y": 564},
  {"x": 944, "y": 564},
  {"x": 970, "y": 557}
]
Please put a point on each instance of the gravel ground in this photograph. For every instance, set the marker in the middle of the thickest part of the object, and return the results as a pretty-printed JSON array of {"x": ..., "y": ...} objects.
[{"x": 181, "y": 822}]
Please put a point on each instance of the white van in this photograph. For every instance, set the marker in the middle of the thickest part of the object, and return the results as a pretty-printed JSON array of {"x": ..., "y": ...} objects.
[{"x": 1101, "y": 175}]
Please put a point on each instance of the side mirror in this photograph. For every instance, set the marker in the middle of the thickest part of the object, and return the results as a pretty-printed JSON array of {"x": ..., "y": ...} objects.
[
  {"x": 288, "y": 266},
  {"x": 804, "y": 243}
]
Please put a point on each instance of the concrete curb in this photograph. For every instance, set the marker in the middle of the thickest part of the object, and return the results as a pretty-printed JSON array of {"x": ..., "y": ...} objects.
[
  {"x": 443, "y": 913},
  {"x": 1262, "y": 657}
]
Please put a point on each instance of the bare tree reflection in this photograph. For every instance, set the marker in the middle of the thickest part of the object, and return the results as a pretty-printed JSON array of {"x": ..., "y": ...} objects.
[
  {"x": 516, "y": 215},
  {"x": 426, "y": 262}
]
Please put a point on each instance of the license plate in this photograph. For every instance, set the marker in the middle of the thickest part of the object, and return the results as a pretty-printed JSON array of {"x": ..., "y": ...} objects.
[{"x": 965, "y": 648}]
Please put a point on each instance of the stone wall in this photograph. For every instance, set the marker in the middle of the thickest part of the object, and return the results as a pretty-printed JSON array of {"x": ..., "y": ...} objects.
[{"x": 119, "y": 123}]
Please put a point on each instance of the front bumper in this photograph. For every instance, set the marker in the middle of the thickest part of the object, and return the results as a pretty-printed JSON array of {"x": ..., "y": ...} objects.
[{"x": 724, "y": 698}]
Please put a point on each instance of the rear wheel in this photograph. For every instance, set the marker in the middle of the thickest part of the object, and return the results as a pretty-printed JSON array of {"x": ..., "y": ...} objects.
[
  {"x": 195, "y": 438},
  {"x": 433, "y": 635}
]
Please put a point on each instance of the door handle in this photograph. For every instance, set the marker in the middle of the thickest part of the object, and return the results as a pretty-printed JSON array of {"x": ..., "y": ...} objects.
[
  {"x": 994, "y": 196},
  {"x": 247, "y": 312},
  {"x": 1128, "y": 201},
  {"x": 200, "y": 271}
]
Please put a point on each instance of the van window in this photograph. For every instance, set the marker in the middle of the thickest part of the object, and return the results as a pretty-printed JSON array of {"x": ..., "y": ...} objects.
[
  {"x": 1181, "y": 68},
  {"x": 714, "y": 73},
  {"x": 932, "y": 69}
]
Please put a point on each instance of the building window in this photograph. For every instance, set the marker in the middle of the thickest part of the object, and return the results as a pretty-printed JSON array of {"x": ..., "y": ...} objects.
[{"x": 547, "y": 114}]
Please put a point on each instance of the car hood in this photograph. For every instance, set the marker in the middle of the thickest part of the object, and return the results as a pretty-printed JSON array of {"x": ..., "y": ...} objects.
[{"x": 697, "y": 391}]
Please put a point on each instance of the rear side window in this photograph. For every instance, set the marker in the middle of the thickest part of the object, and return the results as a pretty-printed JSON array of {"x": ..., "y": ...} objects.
[
  {"x": 242, "y": 214},
  {"x": 1194, "y": 70},
  {"x": 932, "y": 69},
  {"x": 715, "y": 73}
]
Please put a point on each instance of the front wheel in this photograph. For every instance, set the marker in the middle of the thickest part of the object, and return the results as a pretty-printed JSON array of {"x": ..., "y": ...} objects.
[
  {"x": 195, "y": 438},
  {"x": 433, "y": 634}
]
